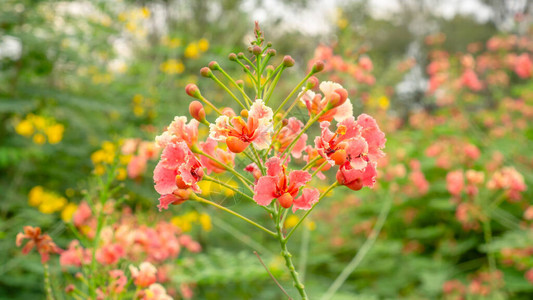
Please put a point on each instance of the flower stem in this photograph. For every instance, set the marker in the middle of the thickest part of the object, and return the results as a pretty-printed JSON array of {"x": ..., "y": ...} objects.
[
  {"x": 236, "y": 190},
  {"x": 246, "y": 98},
  {"x": 200, "y": 199},
  {"x": 47, "y": 285},
  {"x": 293, "y": 91},
  {"x": 331, "y": 187},
  {"x": 288, "y": 261},
  {"x": 223, "y": 86},
  {"x": 309, "y": 123},
  {"x": 352, "y": 265}
]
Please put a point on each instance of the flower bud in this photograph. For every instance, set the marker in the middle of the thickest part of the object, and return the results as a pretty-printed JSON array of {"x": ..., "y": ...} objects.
[
  {"x": 244, "y": 113},
  {"x": 278, "y": 117},
  {"x": 69, "y": 288},
  {"x": 288, "y": 61},
  {"x": 235, "y": 144},
  {"x": 232, "y": 56},
  {"x": 192, "y": 90},
  {"x": 338, "y": 97},
  {"x": 317, "y": 67},
  {"x": 285, "y": 200},
  {"x": 271, "y": 52},
  {"x": 214, "y": 65},
  {"x": 256, "y": 50},
  {"x": 284, "y": 122},
  {"x": 312, "y": 83},
  {"x": 206, "y": 72},
  {"x": 240, "y": 83},
  {"x": 240, "y": 55},
  {"x": 355, "y": 185},
  {"x": 269, "y": 44},
  {"x": 196, "y": 109},
  {"x": 250, "y": 49}
]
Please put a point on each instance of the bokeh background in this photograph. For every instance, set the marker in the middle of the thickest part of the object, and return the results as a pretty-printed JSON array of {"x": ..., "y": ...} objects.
[{"x": 449, "y": 82}]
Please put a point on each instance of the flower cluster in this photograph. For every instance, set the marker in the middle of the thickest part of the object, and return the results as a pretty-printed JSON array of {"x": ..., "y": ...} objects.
[
  {"x": 40, "y": 129},
  {"x": 48, "y": 202}
]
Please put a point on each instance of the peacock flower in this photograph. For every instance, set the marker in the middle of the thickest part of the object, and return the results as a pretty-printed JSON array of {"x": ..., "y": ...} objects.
[{"x": 238, "y": 134}]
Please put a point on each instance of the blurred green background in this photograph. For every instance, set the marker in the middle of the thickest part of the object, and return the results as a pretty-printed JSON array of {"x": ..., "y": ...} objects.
[{"x": 75, "y": 74}]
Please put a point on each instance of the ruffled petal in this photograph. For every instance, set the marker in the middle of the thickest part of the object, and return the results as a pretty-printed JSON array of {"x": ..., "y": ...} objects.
[
  {"x": 306, "y": 200},
  {"x": 265, "y": 190}
]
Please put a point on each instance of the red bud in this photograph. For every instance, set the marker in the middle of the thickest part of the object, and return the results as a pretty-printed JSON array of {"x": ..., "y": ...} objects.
[
  {"x": 288, "y": 61},
  {"x": 317, "y": 67},
  {"x": 206, "y": 72},
  {"x": 196, "y": 109},
  {"x": 192, "y": 90}
]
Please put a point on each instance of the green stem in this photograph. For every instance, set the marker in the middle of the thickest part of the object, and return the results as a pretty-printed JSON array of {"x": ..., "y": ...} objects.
[
  {"x": 223, "y": 86},
  {"x": 236, "y": 190},
  {"x": 304, "y": 250},
  {"x": 260, "y": 164},
  {"x": 200, "y": 199},
  {"x": 244, "y": 95},
  {"x": 352, "y": 265},
  {"x": 210, "y": 105},
  {"x": 295, "y": 140},
  {"x": 292, "y": 92},
  {"x": 273, "y": 85},
  {"x": 288, "y": 261},
  {"x": 293, "y": 104},
  {"x": 311, "y": 163},
  {"x": 47, "y": 284},
  {"x": 331, "y": 187},
  {"x": 243, "y": 179},
  {"x": 319, "y": 168}
]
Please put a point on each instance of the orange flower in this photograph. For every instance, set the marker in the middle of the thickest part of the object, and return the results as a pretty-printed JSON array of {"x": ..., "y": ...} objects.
[{"x": 43, "y": 242}]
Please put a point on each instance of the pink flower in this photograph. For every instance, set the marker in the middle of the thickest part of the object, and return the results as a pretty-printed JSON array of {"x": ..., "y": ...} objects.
[
  {"x": 238, "y": 134},
  {"x": 372, "y": 135},
  {"x": 455, "y": 182},
  {"x": 110, "y": 254},
  {"x": 179, "y": 131},
  {"x": 177, "y": 170},
  {"x": 156, "y": 292},
  {"x": 210, "y": 147},
  {"x": 82, "y": 214},
  {"x": 472, "y": 152},
  {"x": 470, "y": 80},
  {"x": 118, "y": 281},
  {"x": 335, "y": 102},
  {"x": 136, "y": 166},
  {"x": 288, "y": 133},
  {"x": 366, "y": 63},
  {"x": 356, "y": 179},
  {"x": 145, "y": 275},
  {"x": 332, "y": 146},
  {"x": 523, "y": 66},
  {"x": 508, "y": 179},
  {"x": 277, "y": 185},
  {"x": 75, "y": 255},
  {"x": 254, "y": 170}
]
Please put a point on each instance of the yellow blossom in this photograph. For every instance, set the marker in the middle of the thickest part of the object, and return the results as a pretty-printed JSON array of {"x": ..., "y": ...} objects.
[
  {"x": 99, "y": 170},
  {"x": 39, "y": 139},
  {"x": 192, "y": 51},
  {"x": 124, "y": 159},
  {"x": 180, "y": 222},
  {"x": 24, "y": 128},
  {"x": 51, "y": 203},
  {"x": 172, "y": 66},
  {"x": 138, "y": 110},
  {"x": 383, "y": 102},
  {"x": 122, "y": 173},
  {"x": 137, "y": 99},
  {"x": 291, "y": 221},
  {"x": 68, "y": 212},
  {"x": 311, "y": 225},
  {"x": 205, "y": 222},
  {"x": 35, "y": 195},
  {"x": 145, "y": 12},
  {"x": 203, "y": 45},
  {"x": 55, "y": 133}
]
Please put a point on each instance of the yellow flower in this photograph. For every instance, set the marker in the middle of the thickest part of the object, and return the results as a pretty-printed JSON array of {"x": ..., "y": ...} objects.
[
  {"x": 342, "y": 23},
  {"x": 35, "y": 195},
  {"x": 205, "y": 221},
  {"x": 38, "y": 121},
  {"x": 138, "y": 110},
  {"x": 124, "y": 159},
  {"x": 51, "y": 203},
  {"x": 122, "y": 173},
  {"x": 68, "y": 212},
  {"x": 311, "y": 225},
  {"x": 39, "y": 139},
  {"x": 98, "y": 156},
  {"x": 24, "y": 128},
  {"x": 122, "y": 17},
  {"x": 180, "y": 222},
  {"x": 384, "y": 102},
  {"x": 192, "y": 51},
  {"x": 99, "y": 170},
  {"x": 291, "y": 221},
  {"x": 203, "y": 45},
  {"x": 145, "y": 12},
  {"x": 172, "y": 66},
  {"x": 137, "y": 99},
  {"x": 70, "y": 192},
  {"x": 55, "y": 133}
]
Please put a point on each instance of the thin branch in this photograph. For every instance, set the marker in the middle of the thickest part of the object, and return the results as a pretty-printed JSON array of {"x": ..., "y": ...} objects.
[{"x": 272, "y": 276}]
